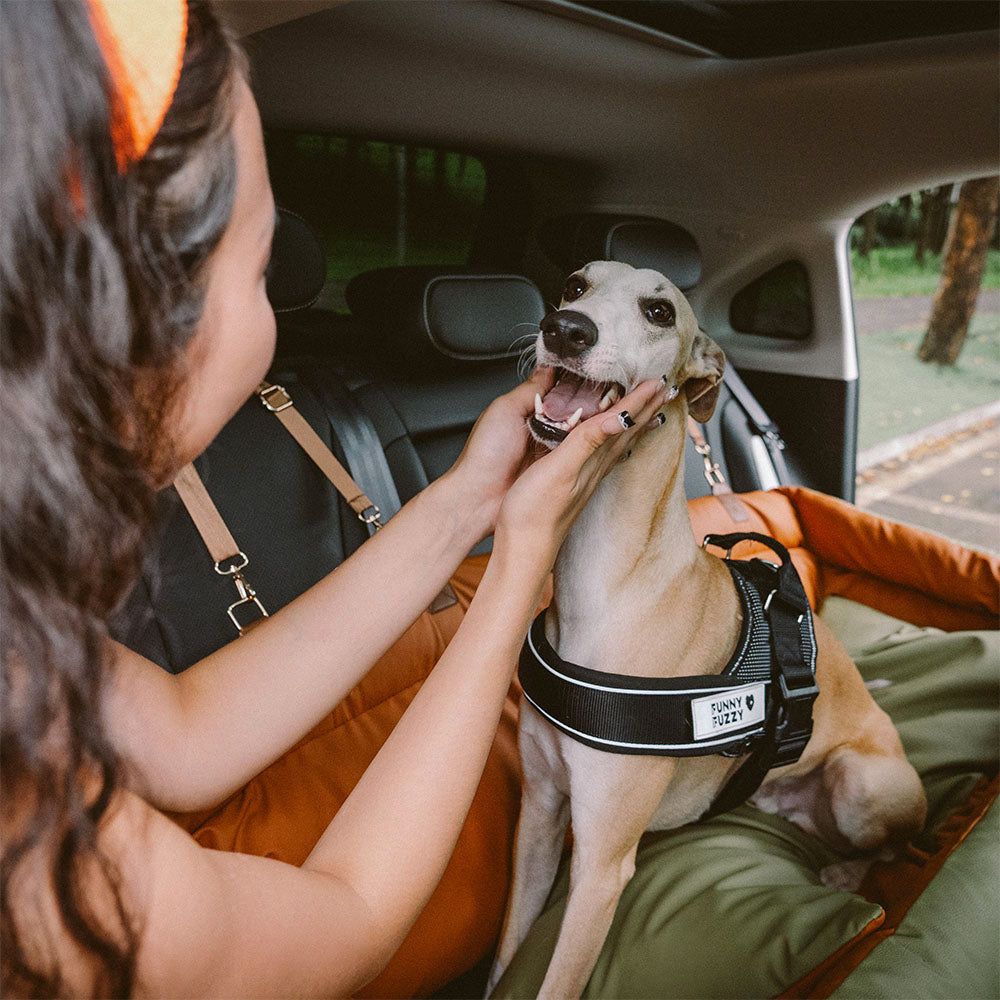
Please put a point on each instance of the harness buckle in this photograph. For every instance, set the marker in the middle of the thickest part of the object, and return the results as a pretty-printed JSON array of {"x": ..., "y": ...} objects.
[
  {"x": 794, "y": 725},
  {"x": 793, "y": 608}
]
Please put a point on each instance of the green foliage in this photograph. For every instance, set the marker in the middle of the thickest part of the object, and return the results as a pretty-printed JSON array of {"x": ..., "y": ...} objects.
[
  {"x": 377, "y": 204},
  {"x": 894, "y": 271},
  {"x": 899, "y": 394}
]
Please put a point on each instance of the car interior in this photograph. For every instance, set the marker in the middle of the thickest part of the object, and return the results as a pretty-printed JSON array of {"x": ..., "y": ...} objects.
[{"x": 729, "y": 145}]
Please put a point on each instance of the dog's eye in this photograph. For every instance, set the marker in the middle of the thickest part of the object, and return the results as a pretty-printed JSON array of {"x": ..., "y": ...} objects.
[
  {"x": 575, "y": 287},
  {"x": 659, "y": 311}
]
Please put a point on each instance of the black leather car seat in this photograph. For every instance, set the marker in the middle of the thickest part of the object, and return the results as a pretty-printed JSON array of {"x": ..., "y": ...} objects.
[
  {"x": 444, "y": 344},
  {"x": 394, "y": 391}
]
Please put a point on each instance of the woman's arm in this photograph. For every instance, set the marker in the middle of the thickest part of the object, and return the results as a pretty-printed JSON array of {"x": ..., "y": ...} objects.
[
  {"x": 231, "y": 925},
  {"x": 194, "y": 738},
  {"x": 228, "y": 925}
]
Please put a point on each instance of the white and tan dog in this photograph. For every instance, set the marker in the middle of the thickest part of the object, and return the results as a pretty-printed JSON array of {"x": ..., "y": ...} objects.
[{"x": 634, "y": 593}]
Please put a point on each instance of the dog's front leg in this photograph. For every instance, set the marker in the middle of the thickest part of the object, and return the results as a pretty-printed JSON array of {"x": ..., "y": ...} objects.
[
  {"x": 596, "y": 884},
  {"x": 541, "y": 830},
  {"x": 612, "y": 798}
]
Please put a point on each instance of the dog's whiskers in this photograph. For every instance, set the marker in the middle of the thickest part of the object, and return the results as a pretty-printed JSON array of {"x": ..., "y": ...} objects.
[{"x": 526, "y": 361}]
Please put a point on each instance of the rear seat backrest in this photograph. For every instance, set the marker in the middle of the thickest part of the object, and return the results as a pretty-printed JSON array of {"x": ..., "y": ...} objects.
[
  {"x": 425, "y": 353},
  {"x": 290, "y": 522},
  {"x": 443, "y": 345}
]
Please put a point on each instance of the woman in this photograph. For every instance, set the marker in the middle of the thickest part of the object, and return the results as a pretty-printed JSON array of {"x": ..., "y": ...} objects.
[{"x": 135, "y": 323}]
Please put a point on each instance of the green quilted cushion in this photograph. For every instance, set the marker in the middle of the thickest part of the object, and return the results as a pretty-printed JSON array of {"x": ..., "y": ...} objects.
[{"x": 734, "y": 907}]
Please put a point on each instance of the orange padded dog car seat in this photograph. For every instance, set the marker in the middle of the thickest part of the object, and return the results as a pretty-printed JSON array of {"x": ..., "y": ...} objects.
[{"x": 837, "y": 549}]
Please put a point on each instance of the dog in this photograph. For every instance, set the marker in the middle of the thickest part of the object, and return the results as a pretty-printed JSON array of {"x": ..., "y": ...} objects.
[{"x": 634, "y": 594}]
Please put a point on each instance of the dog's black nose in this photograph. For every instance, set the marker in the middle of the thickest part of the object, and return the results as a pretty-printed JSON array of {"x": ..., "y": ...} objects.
[{"x": 568, "y": 333}]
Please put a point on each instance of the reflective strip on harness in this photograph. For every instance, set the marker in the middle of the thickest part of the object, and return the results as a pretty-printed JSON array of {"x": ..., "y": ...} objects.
[{"x": 625, "y": 714}]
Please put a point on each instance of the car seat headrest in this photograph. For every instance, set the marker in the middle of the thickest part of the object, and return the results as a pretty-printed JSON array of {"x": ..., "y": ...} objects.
[
  {"x": 574, "y": 240},
  {"x": 423, "y": 317},
  {"x": 297, "y": 269}
]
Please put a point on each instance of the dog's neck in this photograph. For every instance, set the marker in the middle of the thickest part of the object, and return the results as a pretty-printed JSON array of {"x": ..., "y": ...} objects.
[{"x": 630, "y": 546}]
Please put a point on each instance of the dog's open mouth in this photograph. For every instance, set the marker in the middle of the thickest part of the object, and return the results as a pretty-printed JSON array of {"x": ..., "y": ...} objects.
[{"x": 572, "y": 399}]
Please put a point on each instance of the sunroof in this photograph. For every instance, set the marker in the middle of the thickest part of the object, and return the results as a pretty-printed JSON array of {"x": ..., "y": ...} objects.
[{"x": 747, "y": 29}]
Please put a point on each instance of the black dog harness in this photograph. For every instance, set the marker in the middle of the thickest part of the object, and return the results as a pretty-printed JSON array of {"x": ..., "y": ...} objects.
[{"x": 760, "y": 704}]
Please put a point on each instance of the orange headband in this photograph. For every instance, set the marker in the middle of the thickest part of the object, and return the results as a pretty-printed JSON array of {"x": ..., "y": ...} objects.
[{"x": 143, "y": 46}]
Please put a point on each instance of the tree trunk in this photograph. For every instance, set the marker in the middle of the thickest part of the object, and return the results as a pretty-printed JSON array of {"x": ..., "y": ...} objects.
[
  {"x": 940, "y": 219},
  {"x": 906, "y": 204},
  {"x": 962, "y": 273},
  {"x": 868, "y": 225},
  {"x": 933, "y": 220}
]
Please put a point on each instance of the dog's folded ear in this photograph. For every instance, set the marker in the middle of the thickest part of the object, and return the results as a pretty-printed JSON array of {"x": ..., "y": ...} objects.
[{"x": 702, "y": 376}]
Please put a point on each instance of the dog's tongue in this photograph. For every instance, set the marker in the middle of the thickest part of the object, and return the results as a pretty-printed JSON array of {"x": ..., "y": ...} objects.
[{"x": 571, "y": 393}]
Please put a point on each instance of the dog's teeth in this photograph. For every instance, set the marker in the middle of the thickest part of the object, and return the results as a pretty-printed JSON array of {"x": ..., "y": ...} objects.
[
  {"x": 609, "y": 398},
  {"x": 574, "y": 420},
  {"x": 539, "y": 409}
]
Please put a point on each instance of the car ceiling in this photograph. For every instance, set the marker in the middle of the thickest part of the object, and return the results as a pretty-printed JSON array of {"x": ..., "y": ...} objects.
[
  {"x": 744, "y": 29},
  {"x": 762, "y": 159},
  {"x": 768, "y": 134}
]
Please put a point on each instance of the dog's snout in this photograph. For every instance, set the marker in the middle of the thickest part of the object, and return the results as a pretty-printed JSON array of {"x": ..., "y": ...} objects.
[{"x": 568, "y": 333}]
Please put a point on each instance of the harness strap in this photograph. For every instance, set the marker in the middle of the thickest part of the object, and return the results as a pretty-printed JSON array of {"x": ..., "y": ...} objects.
[
  {"x": 721, "y": 490},
  {"x": 621, "y": 713},
  {"x": 760, "y": 704},
  {"x": 276, "y": 399},
  {"x": 229, "y": 559},
  {"x": 789, "y": 723}
]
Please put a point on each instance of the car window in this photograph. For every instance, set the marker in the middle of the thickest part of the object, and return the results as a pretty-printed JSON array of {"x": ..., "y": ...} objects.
[
  {"x": 777, "y": 304},
  {"x": 377, "y": 204},
  {"x": 926, "y": 282}
]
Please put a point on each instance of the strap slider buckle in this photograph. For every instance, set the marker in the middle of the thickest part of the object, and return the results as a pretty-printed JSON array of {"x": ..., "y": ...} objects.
[
  {"x": 775, "y": 438},
  {"x": 275, "y": 398},
  {"x": 713, "y": 474}
]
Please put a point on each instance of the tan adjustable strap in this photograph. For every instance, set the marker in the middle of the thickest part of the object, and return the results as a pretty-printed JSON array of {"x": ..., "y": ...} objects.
[
  {"x": 735, "y": 507},
  {"x": 277, "y": 400},
  {"x": 229, "y": 559}
]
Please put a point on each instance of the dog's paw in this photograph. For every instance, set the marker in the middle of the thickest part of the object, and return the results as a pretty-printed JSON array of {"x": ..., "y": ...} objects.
[{"x": 846, "y": 876}]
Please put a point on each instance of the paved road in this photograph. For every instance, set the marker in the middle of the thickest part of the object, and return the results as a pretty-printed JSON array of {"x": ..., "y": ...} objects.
[
  {"x": 911, "y": 312},
  {"x": 950, "y": 487}
]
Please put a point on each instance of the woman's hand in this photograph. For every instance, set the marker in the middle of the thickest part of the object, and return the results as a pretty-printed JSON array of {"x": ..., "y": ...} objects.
[
  {"x": 498, "y": 450},
  {"x": 542, "y": 505}
]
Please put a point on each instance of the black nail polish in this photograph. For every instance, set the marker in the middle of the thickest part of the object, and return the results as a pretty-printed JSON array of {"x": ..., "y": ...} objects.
[
  {"x": 661, "y": 418},
  {"x": 626, "y": 419}
]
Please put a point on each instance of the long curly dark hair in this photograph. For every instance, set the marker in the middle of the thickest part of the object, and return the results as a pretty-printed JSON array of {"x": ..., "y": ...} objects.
[{"x": 101, "y": 283}]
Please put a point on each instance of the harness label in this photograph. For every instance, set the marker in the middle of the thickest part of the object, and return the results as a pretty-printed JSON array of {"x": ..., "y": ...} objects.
[{"x": 720, "y": 713}]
